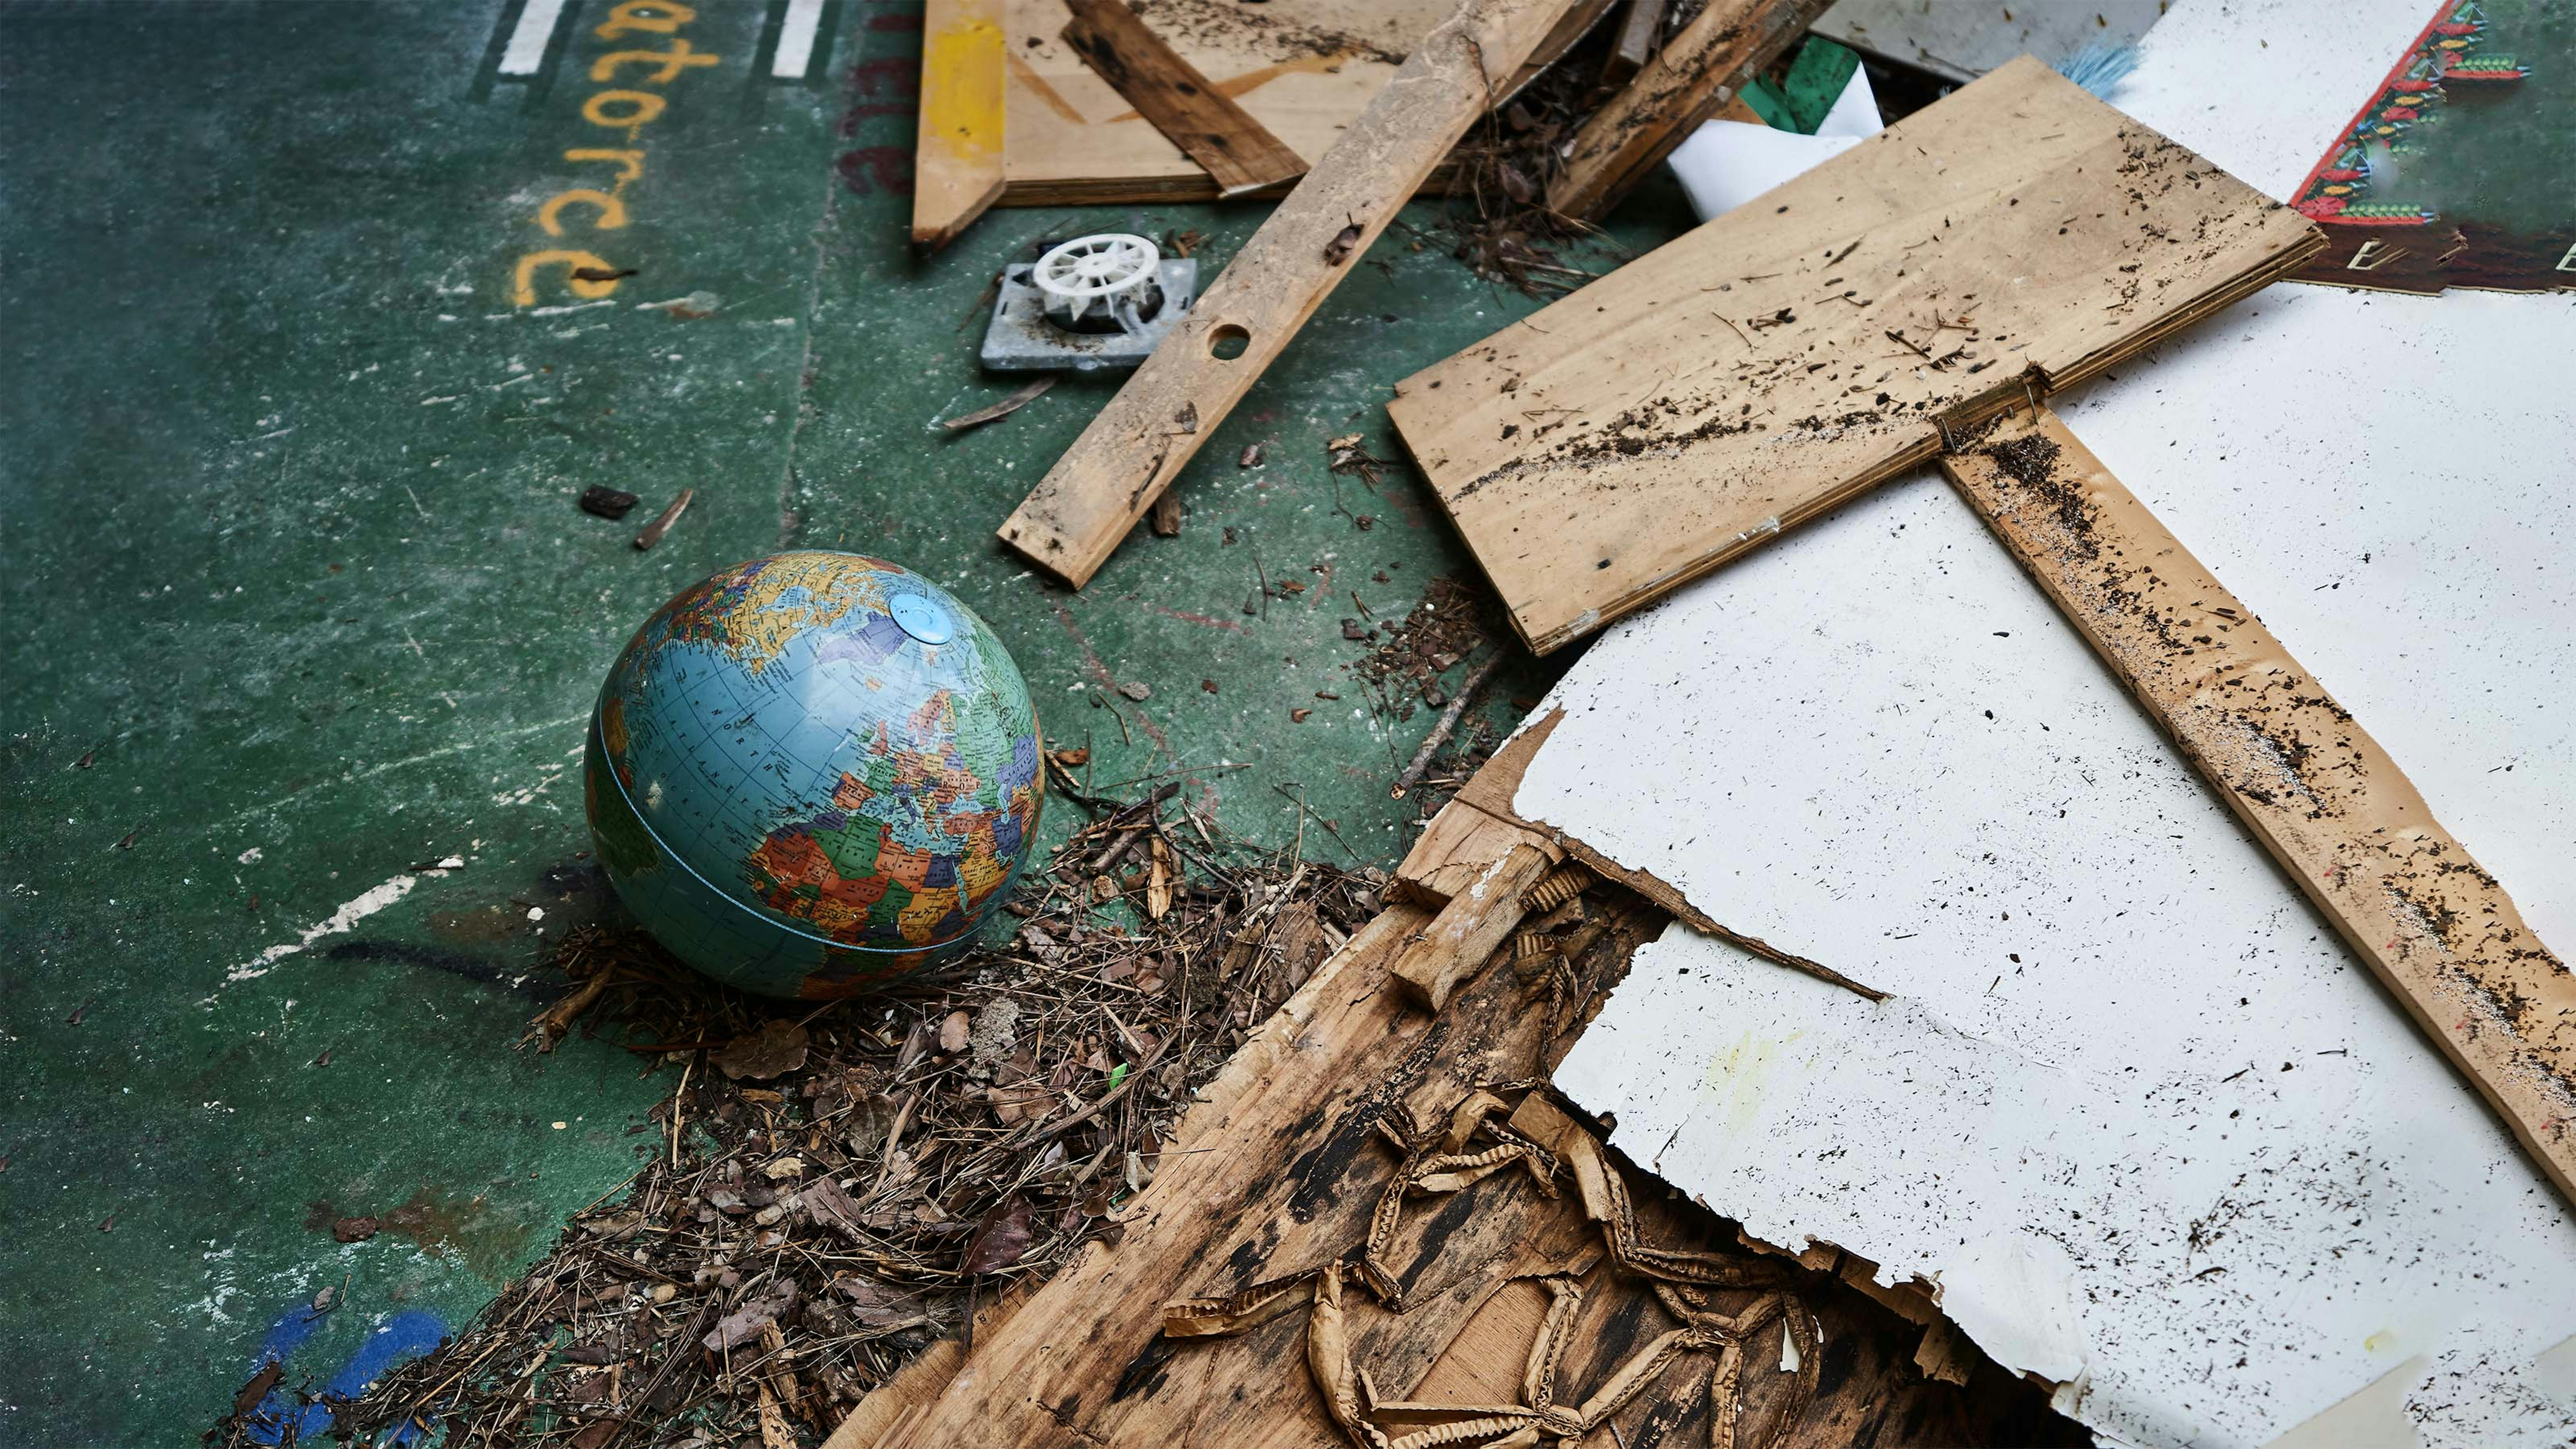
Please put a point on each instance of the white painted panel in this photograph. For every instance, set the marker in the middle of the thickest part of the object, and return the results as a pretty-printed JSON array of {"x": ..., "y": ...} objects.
[
  {"x": 1963, "y": 39},
  {"x": 1877, "y": 744},
  {"x": 2204, "y": 1261}
]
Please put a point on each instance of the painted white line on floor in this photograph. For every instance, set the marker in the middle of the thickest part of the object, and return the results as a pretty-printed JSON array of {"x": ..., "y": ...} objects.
[
  {"x": 796, "y": 39},
  {"x": 528, "y": 40}
]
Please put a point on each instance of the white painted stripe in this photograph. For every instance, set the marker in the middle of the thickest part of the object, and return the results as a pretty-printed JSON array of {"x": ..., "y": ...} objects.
[
  {"x": 796, "y": 39},
  {"x": 528, "y": 41}
]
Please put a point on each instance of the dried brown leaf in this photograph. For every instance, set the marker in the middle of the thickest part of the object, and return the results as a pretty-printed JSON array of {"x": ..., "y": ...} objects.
[
  {"x": 745, "y": 1323},
  {"x": 1000, "y": 1239},
  {"x": 777, "y": 1048}
]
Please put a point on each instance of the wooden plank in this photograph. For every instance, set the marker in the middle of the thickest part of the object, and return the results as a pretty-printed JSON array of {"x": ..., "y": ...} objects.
[
  {"x": 1304, "y": 69},
  {"x": 957, "y": 159},
  {"x": 891, "y": 1406},
  {"x": 2011, "y": 239},
  {"x": 1277, "y": 1168},
  {"x": 1477, "y": 919},
  {"x": 1570, "y": 28},
  {"x": 2303, "y": 775},
  {"x": 1132, "y": 451},
  {"x": 1640, "y": 26},
  {"x": 1698, "y": 70},
  {"x": 1221, "y": 136}
]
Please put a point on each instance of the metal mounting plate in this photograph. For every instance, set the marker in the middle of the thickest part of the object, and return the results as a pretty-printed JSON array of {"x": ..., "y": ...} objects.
[{"x": 1021, "y": 339}]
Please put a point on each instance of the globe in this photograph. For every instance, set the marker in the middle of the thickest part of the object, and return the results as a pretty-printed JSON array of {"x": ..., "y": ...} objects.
[{"x": 813, "y": 774}]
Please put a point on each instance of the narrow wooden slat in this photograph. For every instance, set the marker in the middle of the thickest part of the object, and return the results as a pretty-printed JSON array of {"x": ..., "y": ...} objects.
[
  {"x": 2006, "y": 241},
  {"x": 1304, "y": 69},
  {"x": 1697, "y": 71},
  {"x": 1184, "y": 105},
  {"x": 1477, "y": 920},
  {"x": 1561, "y": 37},
  {"x": 1634, "y": 43},
  {"x": 1132, "y": 451},
  {"x": 957, "y": 159},
  {"x": 2303, "y": 775}
]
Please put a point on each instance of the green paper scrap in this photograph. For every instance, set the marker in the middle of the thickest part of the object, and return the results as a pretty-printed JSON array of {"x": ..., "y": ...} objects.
[{"x": 1815, "y": 81}]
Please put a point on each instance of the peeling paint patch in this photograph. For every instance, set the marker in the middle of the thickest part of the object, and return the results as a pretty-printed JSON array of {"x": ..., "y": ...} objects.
[{"x": 339, "y": 922}]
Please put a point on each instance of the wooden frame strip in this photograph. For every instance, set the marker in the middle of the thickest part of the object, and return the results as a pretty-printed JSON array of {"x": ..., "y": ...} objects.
[
  {"x": 957, "y": 159},
  {"x": 1075, "y": 518},
  {"x": 2303, "y": 775},
  {"x": 1697, "y": 71},
  {"x": 1235, "y": 150}
]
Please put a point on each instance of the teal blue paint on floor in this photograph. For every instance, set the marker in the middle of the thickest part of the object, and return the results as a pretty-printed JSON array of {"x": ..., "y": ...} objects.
[{"x": 305, "y": 624}]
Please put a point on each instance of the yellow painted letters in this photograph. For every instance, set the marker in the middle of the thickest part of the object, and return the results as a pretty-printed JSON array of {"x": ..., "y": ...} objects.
[
  {"x": 612, "y": 212},
  {"x": 524, "y": 293},
  {"x": 633, "y": 109},
  {"x": 667, "y": 64},
  {"x": 656, "y": 17}
]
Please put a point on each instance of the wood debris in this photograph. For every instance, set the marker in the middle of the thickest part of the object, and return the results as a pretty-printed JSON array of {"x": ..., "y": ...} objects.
[
  {"x": 829, "y": 1189},
  {"x": 1193, "y": 112},
  {"x": 1692, "y": 436}
]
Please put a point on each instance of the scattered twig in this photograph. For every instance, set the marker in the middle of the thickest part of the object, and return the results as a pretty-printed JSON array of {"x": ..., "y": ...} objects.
[
  {"x": 1447, "y": 724},
  {"x": 662, "y": 522},
  {"x": 1002, "y": 409}
]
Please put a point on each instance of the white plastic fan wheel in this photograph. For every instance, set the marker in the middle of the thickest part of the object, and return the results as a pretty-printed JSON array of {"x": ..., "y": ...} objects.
[{"x": 1108, "y": 266}]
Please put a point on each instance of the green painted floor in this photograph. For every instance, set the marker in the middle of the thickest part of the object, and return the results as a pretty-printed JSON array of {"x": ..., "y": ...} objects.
[{"x": 304, "y": 624}]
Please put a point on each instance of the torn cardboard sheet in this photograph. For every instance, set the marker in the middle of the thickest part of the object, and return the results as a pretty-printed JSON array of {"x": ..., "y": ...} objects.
[{"x": 2073, "y": 1114}]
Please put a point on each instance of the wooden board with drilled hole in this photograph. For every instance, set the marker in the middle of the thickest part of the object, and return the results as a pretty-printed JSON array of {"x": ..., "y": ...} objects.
[
  {"x": 2011, "y": 239},
  {"x": 2302, "y": 773},
  {"x": 1136, "y": 446},
  {"x": 1275, "y": 1170}
]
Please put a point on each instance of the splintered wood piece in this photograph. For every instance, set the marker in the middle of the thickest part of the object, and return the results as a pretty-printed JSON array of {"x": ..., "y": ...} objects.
[
  {"x": 2303, "y": 775},
  {"x": 1138, "y": 444},
  {"x": 1184, "y": 105},
  {"x": 1633, "y": 44},
  {"x": 1277, "y": 1169},
  {"x": 1698, "y": 70},
  {"x": 1304, "y": 69},
  {"x": 1454, "y": 850},
  {"x": 957, "y": 159},
  {"x": 1476, "y": 920},
  {"x": 1570, "y": 27},
  {"x": 2011, "y": 239}
]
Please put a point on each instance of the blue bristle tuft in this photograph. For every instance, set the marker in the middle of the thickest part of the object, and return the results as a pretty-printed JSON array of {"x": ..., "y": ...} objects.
[{"x": 2100, "y": 68}]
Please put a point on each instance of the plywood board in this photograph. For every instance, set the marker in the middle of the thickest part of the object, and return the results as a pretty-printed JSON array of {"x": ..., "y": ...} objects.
[
  {"x": 957, "y": 159},
  {"x": 1184, "y": 105},
  {"x": 2011, "y": 239},
  {"x": 1304, "y": 69}
]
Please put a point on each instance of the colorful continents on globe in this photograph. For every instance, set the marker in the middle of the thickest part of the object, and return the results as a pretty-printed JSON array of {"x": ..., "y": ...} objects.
[{"x": 812, "y": 773}]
